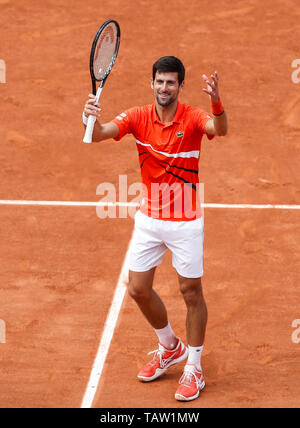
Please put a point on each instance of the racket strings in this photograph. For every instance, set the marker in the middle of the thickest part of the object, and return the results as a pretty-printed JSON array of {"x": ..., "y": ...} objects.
[{"x": 105, "y": 51}]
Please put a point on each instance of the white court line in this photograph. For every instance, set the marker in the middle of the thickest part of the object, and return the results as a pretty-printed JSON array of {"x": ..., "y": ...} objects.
[
  {"x": 134, "y": 204},
  {"x": 69, "y": 203},
  {"x": 106, "y": 338},
  {"x": 254, "y": 206}
]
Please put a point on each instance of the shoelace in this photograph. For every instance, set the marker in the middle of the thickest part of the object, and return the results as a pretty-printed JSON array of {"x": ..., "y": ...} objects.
[
  {"x": 187, "y": 378},
  {"x": 158, "y": 353}
]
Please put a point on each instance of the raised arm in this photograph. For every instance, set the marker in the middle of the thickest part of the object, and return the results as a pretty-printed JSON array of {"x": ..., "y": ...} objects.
[
  {"x": 218, "y": 125},
  {"x": 101, "y": 131}
]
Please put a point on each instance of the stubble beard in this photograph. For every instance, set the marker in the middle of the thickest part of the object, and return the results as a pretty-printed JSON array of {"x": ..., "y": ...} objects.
[{"x": 165, "y": 103}]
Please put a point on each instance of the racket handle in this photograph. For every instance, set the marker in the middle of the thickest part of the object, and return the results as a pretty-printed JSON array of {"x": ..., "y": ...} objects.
[
  {"x": 88, "y": 136},
  {"x": 89, "y": 129}
]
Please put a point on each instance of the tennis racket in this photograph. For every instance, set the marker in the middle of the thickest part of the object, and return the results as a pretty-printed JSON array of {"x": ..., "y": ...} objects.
[{"x": 104, "y": 52}]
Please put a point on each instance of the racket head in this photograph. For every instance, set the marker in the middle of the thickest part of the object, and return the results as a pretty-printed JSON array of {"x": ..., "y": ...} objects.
[{"x": 104, "y": 51}]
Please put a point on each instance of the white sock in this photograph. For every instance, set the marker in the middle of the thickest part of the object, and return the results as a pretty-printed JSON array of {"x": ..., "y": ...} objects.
[
  {"x": 166, "y": 337},
  {"x": 195, "y": 353}
]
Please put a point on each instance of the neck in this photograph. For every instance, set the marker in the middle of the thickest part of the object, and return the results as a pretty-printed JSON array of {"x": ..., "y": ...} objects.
[{"x": 166, "y": 114}]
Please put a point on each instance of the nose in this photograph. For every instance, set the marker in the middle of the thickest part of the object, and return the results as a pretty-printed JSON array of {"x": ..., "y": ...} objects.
[{"x": 164, "y": 87}]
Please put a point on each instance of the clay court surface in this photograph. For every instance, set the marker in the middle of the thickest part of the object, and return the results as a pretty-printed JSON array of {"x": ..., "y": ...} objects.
[{"x": 60, "y": 264}]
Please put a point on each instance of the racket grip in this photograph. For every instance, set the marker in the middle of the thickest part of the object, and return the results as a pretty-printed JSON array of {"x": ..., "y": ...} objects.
[
  {"x": 89, "y": 129},
  {"x": 88, "y": 136}
]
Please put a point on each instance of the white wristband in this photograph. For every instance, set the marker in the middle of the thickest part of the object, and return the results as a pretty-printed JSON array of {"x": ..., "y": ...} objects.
[{"x": 84, "y": 119}]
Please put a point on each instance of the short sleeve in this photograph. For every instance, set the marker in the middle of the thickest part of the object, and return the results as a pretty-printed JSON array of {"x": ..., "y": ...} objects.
[
  {"x": 202, "y": 117},
  {"x": 126, "y": 122}
]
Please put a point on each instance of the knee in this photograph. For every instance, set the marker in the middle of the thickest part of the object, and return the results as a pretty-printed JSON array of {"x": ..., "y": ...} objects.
[
  {"x": 136, "y": 291},
  {"x": 191, "y": 289}
]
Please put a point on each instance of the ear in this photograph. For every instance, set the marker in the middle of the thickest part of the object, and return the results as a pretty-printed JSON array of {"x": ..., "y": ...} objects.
[
  {"x": 151, "y": 84},
  {"x": 181, "y": 87}
]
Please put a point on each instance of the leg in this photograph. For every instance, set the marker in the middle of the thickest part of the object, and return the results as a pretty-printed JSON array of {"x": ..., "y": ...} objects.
[
  {"x": 140, "y": 289},
  {"x": 192, "y": 380},
  {"x": 196, "y": 319},
  {"x": 146, "y": 252}
]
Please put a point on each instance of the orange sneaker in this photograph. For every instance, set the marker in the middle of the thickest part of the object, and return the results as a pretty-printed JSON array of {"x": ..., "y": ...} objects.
[
  {"x": 162, "y": 360},
  {"x": 191, "y": 383}
]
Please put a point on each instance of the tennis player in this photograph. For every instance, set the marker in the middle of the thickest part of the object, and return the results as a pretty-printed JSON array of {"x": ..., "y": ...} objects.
[{"x": 168, "y": 137}]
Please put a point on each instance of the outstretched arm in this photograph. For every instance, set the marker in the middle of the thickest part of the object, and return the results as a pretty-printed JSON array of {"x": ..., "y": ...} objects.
[
  {"x": 218, "y": 125},
  {"x": 101, "y": 131}
]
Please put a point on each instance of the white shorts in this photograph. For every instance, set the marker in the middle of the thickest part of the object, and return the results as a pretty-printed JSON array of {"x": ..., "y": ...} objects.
[{"x": 152, "y": 237}]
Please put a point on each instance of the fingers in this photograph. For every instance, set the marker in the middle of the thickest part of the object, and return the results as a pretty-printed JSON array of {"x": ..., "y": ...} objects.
[
  {"x": 212, "y": 85},
  {"x": 91, "y": 108},
  {"x": 205, "y": 78},
  {"x": 214, "y": 77},
  {"x": 206, "y": 91}
]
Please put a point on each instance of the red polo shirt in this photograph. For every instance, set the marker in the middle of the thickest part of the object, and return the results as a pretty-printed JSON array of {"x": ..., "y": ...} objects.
[{"x": 169, "y": 155}]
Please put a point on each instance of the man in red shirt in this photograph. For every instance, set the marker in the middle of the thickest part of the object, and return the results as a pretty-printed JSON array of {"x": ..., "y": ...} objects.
[{"x": 168, "y": 136}]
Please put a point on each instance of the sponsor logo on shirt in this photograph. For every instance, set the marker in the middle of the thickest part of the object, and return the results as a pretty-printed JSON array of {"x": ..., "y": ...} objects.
[{"x": 180, "y": 134}]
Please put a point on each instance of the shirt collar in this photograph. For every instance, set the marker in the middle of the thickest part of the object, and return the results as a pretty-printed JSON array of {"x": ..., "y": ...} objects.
[{"x": 177, "y": 117}]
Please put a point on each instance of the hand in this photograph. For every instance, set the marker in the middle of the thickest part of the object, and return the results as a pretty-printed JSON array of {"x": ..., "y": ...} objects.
[
  {"x": 90, "y": 108},
  {"x": 212, "y": 87}
]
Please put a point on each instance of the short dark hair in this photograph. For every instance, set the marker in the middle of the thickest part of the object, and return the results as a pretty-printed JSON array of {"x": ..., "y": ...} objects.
[{"x": 167, "y": 64}]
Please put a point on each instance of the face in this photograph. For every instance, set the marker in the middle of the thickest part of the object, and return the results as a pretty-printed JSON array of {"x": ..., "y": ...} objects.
[{"x": 166, "y": 88}]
